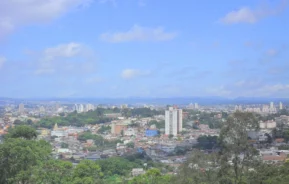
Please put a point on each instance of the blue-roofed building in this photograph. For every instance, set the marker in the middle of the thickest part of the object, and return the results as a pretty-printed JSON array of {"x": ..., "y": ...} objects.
[{"x": 151, "y": 133}]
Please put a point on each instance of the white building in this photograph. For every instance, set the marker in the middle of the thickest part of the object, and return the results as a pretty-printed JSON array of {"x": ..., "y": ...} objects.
[
  {"x": 89, "y": 107},
  {"x": 129, "y": 132},
  {"x": 238, "y": 108},
  {"x": 280, "y": 106},
  {"x": 174, "y": 121},
  {"x": 137, "y": 171},
  {"x": 42, "y": 109},
  {"x": 196, "y": 106},
  {"x": 271, "y": 105},
  {"x": 21, "y": 108},
  {"x": 79, "y": 108},
  {"x": 124, "y": 106},
  {"x": 59, "y": 133},
  {"x": 267, "y": 124}
]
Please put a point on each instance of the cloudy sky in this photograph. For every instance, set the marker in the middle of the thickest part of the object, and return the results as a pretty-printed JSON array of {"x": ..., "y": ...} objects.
[{"x": 144, "y": 48}]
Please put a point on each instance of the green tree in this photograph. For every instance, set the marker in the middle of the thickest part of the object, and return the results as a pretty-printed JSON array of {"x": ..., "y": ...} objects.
[
  {"x": 18, "y": 156},
  {"x": 236, "y": 148},
  {"x": 88, "y": 172},
  {"x": 52, "y": 172},
  {"x": 207, "y": 142},
  {"x": 200, "y": 168},
  {"x": 29, "y": 122},
  {"x": 64, "y": 145},
  {"x": 103, "y": 129},
  {"x": 117, "y": 166},
  {"x": 22, "y": 131},
  {"x": 286, "y": 135},
  {"x": 130, "y": 145},
  {"x": 152, "y": 176},
  {"x": 126, "y": 112}
]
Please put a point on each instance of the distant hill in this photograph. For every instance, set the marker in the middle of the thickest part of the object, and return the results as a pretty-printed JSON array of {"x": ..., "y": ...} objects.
[{"x": 157, "y": 101}]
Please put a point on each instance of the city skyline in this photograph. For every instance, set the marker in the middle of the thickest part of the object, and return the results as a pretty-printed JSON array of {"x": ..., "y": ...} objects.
[{"x": 143, "y": 48}]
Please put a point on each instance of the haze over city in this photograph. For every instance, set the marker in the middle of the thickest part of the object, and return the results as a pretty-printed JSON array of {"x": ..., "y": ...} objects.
[{"x": 144, "y": 48}]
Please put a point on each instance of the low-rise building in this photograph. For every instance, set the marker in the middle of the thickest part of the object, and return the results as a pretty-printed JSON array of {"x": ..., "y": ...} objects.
[{"x": 137, "y": 171}]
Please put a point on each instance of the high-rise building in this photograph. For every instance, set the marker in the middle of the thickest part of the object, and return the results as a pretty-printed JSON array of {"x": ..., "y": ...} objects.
[
  {"x": 89, "y": 107},
  {"x": 75, "y": 108},
  {"x": 280, "y": 106},
  {"x": 196, "y": 106},
  {"x": 79, "y": 108},
  {"x": 124, "y": 106},
  {"x": 271, "y": 105},
  {"x": 42, "y": 109},
  {"x": 57, "y": 106},
  {"x": 272, "y": 108},
  {"x": 21, "y": 108},
  {"x": 174, "y": 121},
  {"x": 238, "y": 108},
  {"x": 191, "y": 106}
]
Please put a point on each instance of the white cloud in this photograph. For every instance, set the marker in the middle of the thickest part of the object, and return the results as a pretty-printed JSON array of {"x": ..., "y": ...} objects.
[
  {"x": 2, "y": 61},
  {"x": 138, "y": 33},
  {"x": 219, "y": 91},
  {"x": 251, "y": 16},
  {"x": 249, "y": 83},
  {"x": 274, "y": 90},
  {"x": 251, "y": 88},
  {"x": 15, "y": 13},
  {"x": 243, "y": 15},
  {"x": 133, "y": 73},
  {"x": 63, "y": 50},
  {"x": 67, "y": 57},
  {"x": 130, "y": 73}
]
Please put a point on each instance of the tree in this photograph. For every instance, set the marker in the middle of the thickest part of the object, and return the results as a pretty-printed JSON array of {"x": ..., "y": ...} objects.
[
  {"x": 171, "y": 136},
  {"x": 118, "y": 166},
  {"x": 269, "y": 138},
  {"x": 103, "y": 129},
  {"x": 18, "y": 122},
  {"x": 88, "y": 172},
  {"x": 18, "y": 156},
  {"x": 207, "y": 142},
  {"x": 130, "y": 145},
  {"x": 236, "y": 148},
  {"x": 126, "y": 112},
  {"x": 200, "y": 168},
  {"x": 159, "y": 124},
  {"x": 64, "y": 145},
  {"x": 22, "y": 131},
  {"x": 152, "y": 176},
  {"x": 53, "y": 172},
  {"x": 29, "y": 122},
  {"x": 286, "y": 135}
]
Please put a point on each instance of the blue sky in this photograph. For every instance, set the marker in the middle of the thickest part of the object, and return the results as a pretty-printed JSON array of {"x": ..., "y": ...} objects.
[{"x": 144, "y": 48}]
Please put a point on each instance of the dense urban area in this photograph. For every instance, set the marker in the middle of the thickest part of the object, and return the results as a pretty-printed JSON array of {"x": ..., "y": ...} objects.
[{"x": 92, "y": 143}]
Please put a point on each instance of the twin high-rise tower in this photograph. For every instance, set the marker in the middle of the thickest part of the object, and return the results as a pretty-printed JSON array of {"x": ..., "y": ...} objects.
[{"x": 174, "y": 121}]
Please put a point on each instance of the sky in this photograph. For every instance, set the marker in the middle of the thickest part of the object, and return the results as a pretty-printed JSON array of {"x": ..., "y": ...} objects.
[{"x": 144, "y": 48}]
